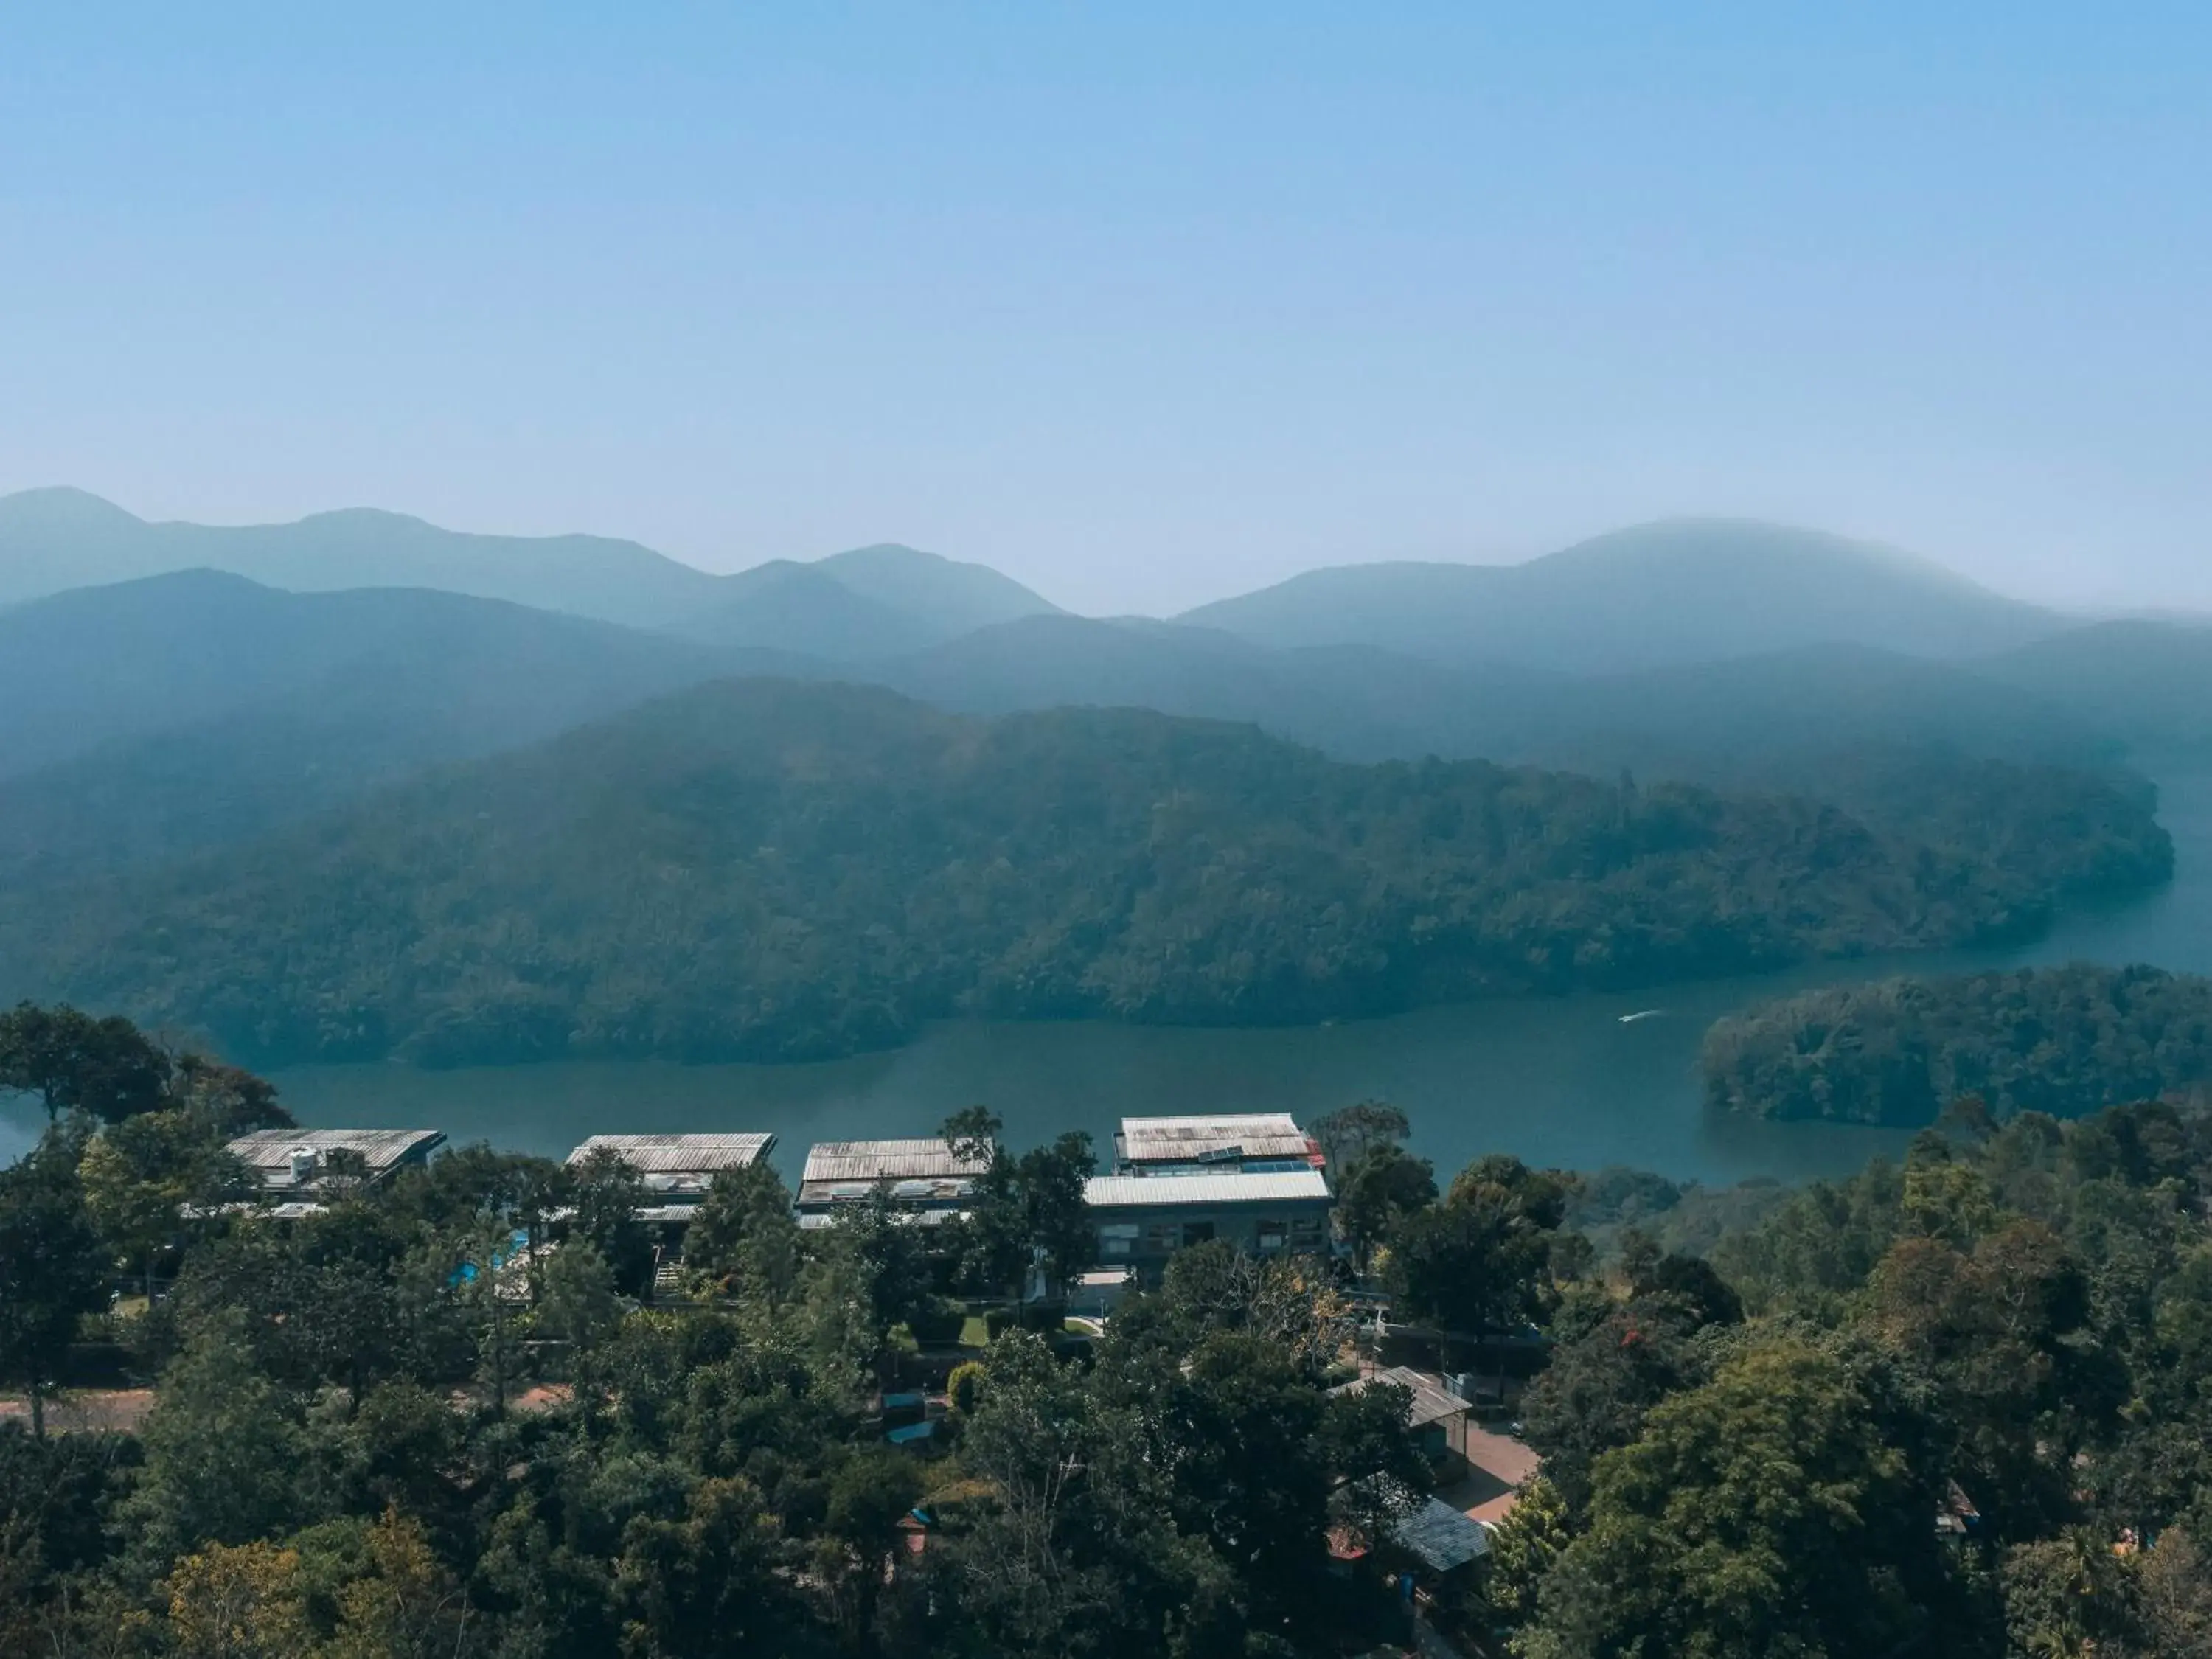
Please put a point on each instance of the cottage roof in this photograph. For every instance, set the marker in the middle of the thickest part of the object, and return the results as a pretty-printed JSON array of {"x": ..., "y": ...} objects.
[
  {"x": 654, "y": 1155},
  {"x": 933, "y": 1158},
  {"x": 1221, "y": 1187},
  {"x": 1431, "y": 1402},
  {"x": 919, "y": 1174},
  {"x": 1190, "y": 1140},
  {"x": 1441, "y": 1537},
  {"x": 268, "y": 1153}
]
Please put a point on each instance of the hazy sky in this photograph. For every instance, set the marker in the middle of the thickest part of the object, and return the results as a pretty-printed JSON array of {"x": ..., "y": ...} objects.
[{"x": 1142, "y": 303}]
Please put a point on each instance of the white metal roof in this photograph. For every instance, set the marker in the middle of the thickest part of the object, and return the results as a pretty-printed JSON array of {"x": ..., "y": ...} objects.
[
  {"x": 1225, "y": 1186},
  {"x": 269, "y": 1152},
  {"x": 889, "y": 1160},
  {"x": 678, "y": 1154},
  {"x": 1176, "y": 1140}
]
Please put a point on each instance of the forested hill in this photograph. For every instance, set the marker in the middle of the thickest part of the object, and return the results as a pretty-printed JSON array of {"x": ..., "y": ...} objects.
[
  {"x": 2065, "y": 1040},
  {"x": 771, "y": 870}
]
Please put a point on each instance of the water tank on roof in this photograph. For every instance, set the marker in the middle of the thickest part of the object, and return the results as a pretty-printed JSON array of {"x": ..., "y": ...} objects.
[{"x": 303, "y": 1165}]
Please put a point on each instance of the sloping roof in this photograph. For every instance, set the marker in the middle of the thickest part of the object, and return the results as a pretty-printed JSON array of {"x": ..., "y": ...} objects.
[
  {"x": 1431, "y": 1403},
  {"x": 889, "y": 1160},
  {"x": 269, "y": 1152},
  {"x": 1441, "y": 1537},
  {"x": 1184, "y": 1139},
  {"x": 678, "y": 1154},
  {"x": 1224, "y": 1187}
]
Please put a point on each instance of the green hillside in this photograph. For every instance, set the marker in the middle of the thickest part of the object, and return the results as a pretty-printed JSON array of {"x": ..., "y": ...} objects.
[{"x": 766, "y": 869}]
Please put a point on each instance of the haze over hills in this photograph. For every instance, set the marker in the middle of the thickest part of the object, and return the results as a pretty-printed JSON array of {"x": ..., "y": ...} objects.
[
  {"x": 152, "y": 717},
  {"x": 1651, "y": 595},
  {"x": 863, "y": 606},
  {"x": 157, "y": 716},
  {"x": 2148, "y": 684},
  {"x": 1682, "y": 590},
  {"x": 765, "y": 869},
  {"x": 55, "y": 539}
]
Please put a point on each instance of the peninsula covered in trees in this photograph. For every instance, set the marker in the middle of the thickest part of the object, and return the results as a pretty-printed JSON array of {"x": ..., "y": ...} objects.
[
  {"x": 771, "y": 870},
  {"x": 2062, "y": 1041}
]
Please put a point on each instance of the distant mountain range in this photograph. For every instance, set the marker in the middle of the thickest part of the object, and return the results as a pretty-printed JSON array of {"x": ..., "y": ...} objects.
[
  {"x": 1682, "y": 591},
  {"x": 153, "y": 717},
  {"x": 864, "y": 602},
  {"x": 1653, "y": 595}
]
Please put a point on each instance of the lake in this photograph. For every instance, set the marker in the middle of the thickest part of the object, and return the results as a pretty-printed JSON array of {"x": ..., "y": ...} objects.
[{"x": 1555, "y": 1081}]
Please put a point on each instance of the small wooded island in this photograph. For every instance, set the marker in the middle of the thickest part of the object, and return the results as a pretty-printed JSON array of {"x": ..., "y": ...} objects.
[{"x": 2062, "y": 1041}]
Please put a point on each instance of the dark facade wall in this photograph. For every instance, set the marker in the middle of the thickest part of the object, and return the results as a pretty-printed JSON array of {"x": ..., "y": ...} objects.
[{"x": 1147, "y": 1235}]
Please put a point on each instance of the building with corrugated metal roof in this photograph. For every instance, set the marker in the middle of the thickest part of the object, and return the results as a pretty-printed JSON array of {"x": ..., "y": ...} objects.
[
  {"x": 1254, "y": 1141},
  {"x": 677, "y": 1169},
  {"x": 294, "y": 1166},
  {"x": 1144, "y": 1219},
  {"x": 1436, "y": 1416},
  {"x": 928, "y": 1179}
]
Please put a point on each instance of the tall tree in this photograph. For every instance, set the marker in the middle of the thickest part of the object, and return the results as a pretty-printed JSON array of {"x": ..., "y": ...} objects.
[
  {"x": 1765, "y": 1513},
  {"x": 1480, "y": 1262},
  {"x": 1375, "y": 1191},
  {"x": 744, "y": 1235},
  {"x": 51, "y": 1268},
  {"x": 1349, "y": 1131},
  {"x": 74, "y": 1062}
]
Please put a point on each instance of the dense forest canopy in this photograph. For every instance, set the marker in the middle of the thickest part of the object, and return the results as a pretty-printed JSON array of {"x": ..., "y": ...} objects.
[
  {"x": 2063, "y": 1040},
  {"x": 1958, "y": 1407},
  {"x": 762, "y": 869}
]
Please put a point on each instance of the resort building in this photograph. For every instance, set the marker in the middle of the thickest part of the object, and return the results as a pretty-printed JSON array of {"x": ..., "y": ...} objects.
[
  {"x": 1144, "y": 1219},
  {"x": 1256, "y": 1142},
  {"x": 677, "y": 1169},
  {"x": 296, "y": 1168},
  {"x": 926, "y": 1180}
]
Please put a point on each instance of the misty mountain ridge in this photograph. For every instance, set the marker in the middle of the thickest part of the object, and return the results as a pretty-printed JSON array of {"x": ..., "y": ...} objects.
[
  {"x": 1651, "y": 595},
  {"x": 52, "y": 540},
  {"x": 150, "y": 718},
  {"x": 865, "y": 604},
  {"x": 195, "y": 708},
  {"x": 1671, "y": 591}
]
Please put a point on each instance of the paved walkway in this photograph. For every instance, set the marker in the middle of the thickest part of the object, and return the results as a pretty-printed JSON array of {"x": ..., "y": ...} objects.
[{"x": 83, "y": 1411}]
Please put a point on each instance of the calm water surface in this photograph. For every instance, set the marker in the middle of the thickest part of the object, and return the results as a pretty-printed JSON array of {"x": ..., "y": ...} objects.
[{"x": 1556, "y": 1081}]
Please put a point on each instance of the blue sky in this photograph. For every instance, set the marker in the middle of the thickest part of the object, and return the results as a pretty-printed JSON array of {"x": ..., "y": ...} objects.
[{"x": 1144, "y": 304}]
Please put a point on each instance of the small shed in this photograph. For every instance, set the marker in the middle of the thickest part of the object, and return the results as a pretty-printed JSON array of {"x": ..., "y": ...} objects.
[
  {"x": 1258, "y": 1142},
  {"x": 294, "y": 1166},
  {"x": 1437, "y": 1417},
  {"x": 1441, "y": 1539}
]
